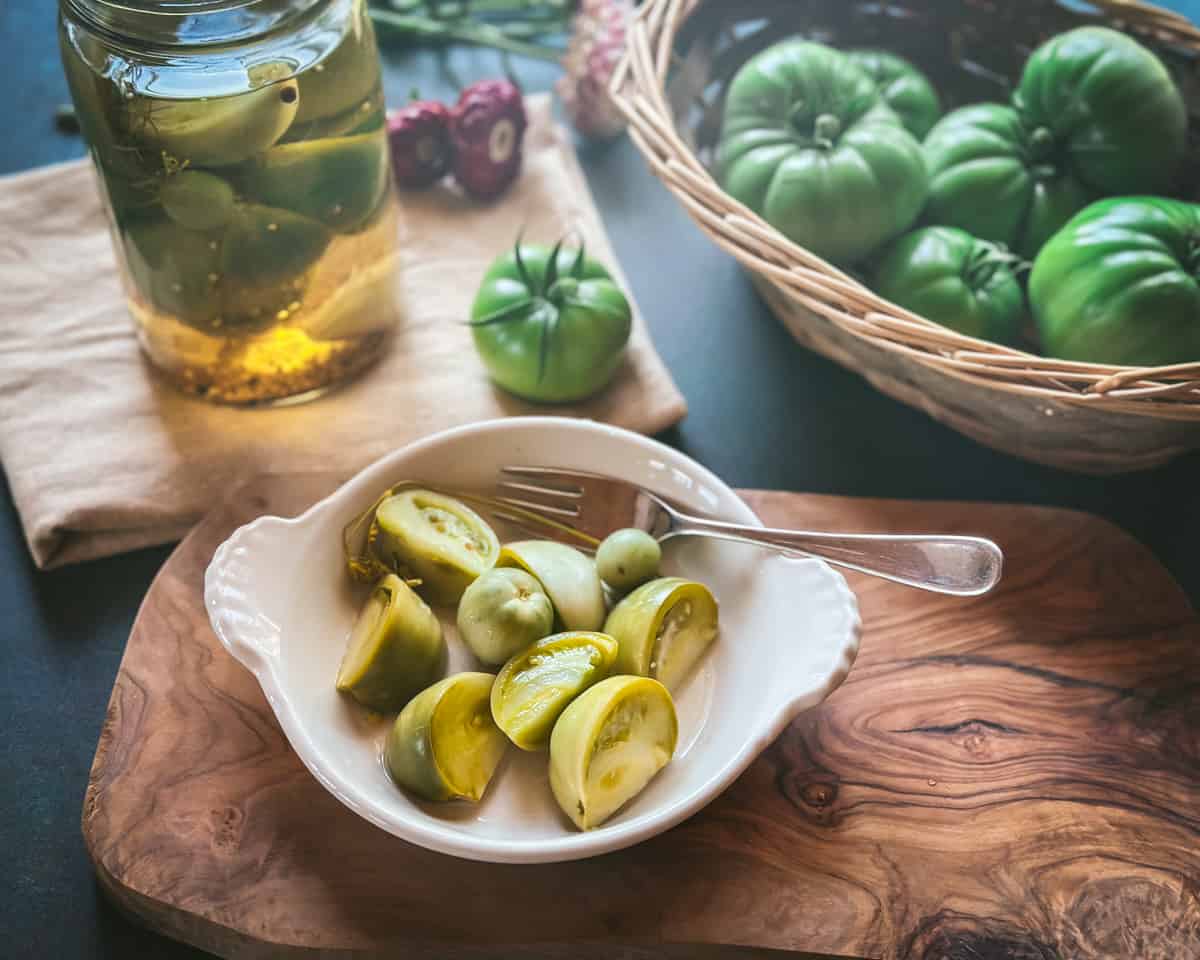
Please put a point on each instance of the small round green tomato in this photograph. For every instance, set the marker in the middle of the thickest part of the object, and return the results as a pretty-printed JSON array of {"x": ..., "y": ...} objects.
[
  {"x": 628, "y": 558},
  {"x": 550, "y": 324},
  {"x": 503, "y": 611}
]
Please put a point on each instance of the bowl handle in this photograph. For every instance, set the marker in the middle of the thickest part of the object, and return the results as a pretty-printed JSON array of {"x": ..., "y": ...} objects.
[{"x": 232, "y": 591}]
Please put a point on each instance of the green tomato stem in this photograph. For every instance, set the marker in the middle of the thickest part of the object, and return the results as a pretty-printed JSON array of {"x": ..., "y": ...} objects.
[
  {"x": 986, "y": 259},
  {"x": 1041, "y": 144},
  {"x": 480, "y": 34},
  {"x": 442, "y": 10},
  {"x": 512, "y": 312},
  {"x": 564, "y": 289},
  {"x": 827, "y": 128}
]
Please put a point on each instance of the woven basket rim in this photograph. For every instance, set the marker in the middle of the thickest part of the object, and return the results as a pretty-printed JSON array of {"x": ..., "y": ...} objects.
[{"x": 638, "y": 88}]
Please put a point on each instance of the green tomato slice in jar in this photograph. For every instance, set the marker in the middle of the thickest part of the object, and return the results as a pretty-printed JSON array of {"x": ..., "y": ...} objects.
[
  {"x": 216, "y": 131},
  {"x": 502, "y": 612},
  {"x": 662, "y": 628},
  {"x": 176, "y": 270},
  {"x": 537, "y": 684},
  {"x": 197, "y": 200},
  {"x": 264, "y": 245},
  {"x": 435, "y": 539},
  {"x": 396, "y": 648},
  {"x": 338, "y": 181},
  {"x": 568, "y": 577},
  {"x": 445, "y": 745},
  {"x": 608, "y": 745}
]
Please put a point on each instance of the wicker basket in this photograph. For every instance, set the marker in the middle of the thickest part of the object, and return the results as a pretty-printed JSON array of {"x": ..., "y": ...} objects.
[{"x": 1094, "y": 418}]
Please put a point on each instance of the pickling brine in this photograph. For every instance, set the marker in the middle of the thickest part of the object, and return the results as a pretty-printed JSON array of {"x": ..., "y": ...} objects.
[{"x": 242, "y": 154}]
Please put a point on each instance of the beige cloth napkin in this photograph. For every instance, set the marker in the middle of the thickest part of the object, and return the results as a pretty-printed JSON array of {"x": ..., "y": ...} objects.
[{"x": 102, "y": 456}]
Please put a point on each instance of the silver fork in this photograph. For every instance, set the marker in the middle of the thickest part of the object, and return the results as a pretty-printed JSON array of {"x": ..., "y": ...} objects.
[{"x": 582, "y": 508}]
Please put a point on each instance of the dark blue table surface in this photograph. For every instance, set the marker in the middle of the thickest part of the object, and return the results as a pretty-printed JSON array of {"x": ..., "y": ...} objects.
[{"x": 764, "y": 413}]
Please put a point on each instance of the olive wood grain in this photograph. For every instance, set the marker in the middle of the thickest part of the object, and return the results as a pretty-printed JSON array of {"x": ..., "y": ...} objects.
[{"x": 1014, "y": 776}]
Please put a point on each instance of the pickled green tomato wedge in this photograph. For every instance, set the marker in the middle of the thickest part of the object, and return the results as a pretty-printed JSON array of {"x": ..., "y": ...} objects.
[
  {"x": 345, "y": 83},
  {"x": 628, "y": 558},
  {"x": 537, "y": 684},
  {"x": 197, "y": 200},
  {"x": 662, "y": 628},
  {"x": 445, "y": 745},
  {"x": 608, "y": 744},
  {"x": 568, "y": 577},
  {"x": 220, "y": 131},
  {"x": 173, "y": 268},
  {"x": 338, "y": 181},
  {"x": 435, "y": 539},
  {"x": 396, "y": 648},
  {"x": 503, "y": 611},
  {"x": 263, "y": 245}
]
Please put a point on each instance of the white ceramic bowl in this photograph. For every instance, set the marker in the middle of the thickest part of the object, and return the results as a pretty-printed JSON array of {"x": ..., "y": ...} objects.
[{"x": 280, "y": 602}]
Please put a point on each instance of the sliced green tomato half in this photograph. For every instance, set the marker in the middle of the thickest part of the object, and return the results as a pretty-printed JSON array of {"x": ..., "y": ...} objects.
[
  {"x": 608, "y": 744},
  {"x": 396, "y": 648},
  {"x": 219, "y": 131},
  {"x": 445, "y": 745},
  {"x": 568, "y": 577},
  {"x": 662, "y": 628},
  {"x": 435, "y": 539},
  {"x": 337, "y": 181},
  {"x": 536, "y": 685}
]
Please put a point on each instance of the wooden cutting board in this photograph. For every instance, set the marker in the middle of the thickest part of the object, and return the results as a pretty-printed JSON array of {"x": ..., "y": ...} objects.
[{"x": 1016, "y": 777}]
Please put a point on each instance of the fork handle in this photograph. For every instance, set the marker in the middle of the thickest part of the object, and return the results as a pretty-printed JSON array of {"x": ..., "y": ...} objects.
[{"x": 963, "y": 566}]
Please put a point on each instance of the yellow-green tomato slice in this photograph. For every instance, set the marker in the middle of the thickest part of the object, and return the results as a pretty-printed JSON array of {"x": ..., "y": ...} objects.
[
  {"x": 396, "y": 648},
  {"x": 503, "y": 611},
  {"x": 435, "y": 539},
  {"x": 663, "y": 627},
  {"x": 445, "y": 745},
  {"x": 608, "y": 744},
  {"x": 568, "y": 577},
  {"x": 538, "y": 683}
]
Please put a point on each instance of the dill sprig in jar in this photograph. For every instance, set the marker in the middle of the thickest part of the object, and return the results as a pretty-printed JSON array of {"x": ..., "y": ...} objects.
[{"x": 241, "y": 150}]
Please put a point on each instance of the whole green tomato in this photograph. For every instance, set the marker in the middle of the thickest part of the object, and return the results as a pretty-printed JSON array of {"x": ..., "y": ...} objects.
[
  {"x": 1111, "y": 108},
  {"x": 903, "y": 87},
  {"x": 993, "y": 177},
  {"x": 807, "y": 143},
  {"x": 1095, "y": 113},
  {"x": 948, "y": 276},
  {"x": 628, "y": 558},
  {"x": 1118, "y": 284},
  {"x": 550, "y": 324},
  {"x": 504, "y": 611}
]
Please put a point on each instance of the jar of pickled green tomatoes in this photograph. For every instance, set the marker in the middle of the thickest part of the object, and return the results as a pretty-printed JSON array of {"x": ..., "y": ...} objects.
[{"x": 242, "y": 155}]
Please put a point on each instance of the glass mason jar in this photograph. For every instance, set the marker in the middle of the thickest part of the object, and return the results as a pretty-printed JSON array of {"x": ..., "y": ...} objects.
[{"x": 242, "y": 154}]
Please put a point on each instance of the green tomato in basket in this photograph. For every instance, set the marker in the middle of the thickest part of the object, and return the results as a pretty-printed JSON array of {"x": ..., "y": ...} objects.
[
  {"x": 1095, "y": 113},
  {"x": 992, "y": 176},
  {"x": 1118, "y": 284},
  {"x": 903, "y": 87},
  {"x": 807, "y": 143},
  {"x": 948, "y": 276},
  {"x": 550, "y": 324}
]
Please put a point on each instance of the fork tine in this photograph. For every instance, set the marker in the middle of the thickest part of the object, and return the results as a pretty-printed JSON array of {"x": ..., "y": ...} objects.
[
  {"x": 574, "y": 494},
  {"x": 569, "y": 513},
  {"x": 565, "y": 481},
  {"x": 548, "y": 532}
]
